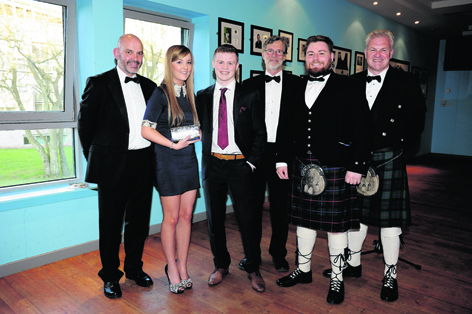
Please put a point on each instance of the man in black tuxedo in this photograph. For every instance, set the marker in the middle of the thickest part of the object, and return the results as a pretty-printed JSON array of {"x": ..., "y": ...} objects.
[
  {"x": 398, "y": 109},
  {"x": 277, "y": 92},
  {"x": 329, "y": 131},
  {"x": 233, "y": 140},
  {"x": 119, "y": 161}
]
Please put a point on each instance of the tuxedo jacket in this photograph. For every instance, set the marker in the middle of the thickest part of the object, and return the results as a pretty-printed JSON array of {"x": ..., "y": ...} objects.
[
  {"x": 398, "y": 111},
  {"x": 289, "y": 86},
  {"x": 249, "y": 125},
  {"x": 103, "y": 126},
  {"x": 341, "y": 124}
]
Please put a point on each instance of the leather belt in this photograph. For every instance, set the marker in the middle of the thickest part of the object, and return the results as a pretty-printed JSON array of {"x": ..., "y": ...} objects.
[{"x": 228, "y": 157}]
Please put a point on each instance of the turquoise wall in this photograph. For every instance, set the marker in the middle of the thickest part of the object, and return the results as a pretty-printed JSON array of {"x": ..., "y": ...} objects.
[
  {"x": 452, "y": 132},
  {"x": 38, "y": 225}
]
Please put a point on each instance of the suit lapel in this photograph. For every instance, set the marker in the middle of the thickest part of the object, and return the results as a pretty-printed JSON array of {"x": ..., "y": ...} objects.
[
  {"x": 384, "y": 95},
  {"x": 117, "y": 92},
  {"x": 236, "y": 103}
]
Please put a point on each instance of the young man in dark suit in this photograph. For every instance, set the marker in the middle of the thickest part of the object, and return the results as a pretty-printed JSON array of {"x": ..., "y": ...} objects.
[
  {"x": 233, "y": 140},
  {"x": 330, "y": 130},
  {"x": 398, "y": 108},
  {"x": 277, "y": 92},
  {"x": 119, "y": 161}
]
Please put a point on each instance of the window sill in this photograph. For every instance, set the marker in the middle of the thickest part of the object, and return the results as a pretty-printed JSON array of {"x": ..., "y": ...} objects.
[{"x": 41, "y": 196}]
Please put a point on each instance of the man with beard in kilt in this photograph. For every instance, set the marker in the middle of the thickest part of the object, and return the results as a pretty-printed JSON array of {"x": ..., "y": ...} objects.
[
  {"x": 398, "y": 109},
  {"x": 325, "y": 146}
]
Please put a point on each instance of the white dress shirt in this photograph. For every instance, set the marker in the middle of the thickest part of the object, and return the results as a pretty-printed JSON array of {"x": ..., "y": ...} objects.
[
  {"x": 232, "y": 148},
  {"x": 135, "y": 106},
  {"x": 372, "y": 89},
  {"x": 273, "y": 96},
  {"x": 313, "y": 90}
]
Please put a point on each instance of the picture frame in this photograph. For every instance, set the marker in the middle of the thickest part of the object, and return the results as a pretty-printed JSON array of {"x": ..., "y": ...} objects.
[
  {"x": 423, "y": 76},
  {"x": 288, "y": 38},
  {"x": 342, "y": 60},
  {"x": 400, "y": 64},
  {"x": 258, "y": 36},
  {"x": 231, "y": 32},
  {"x": 301, "y": 47},
  {"x": 256, "y": 73},
  {"x": 359, "y": 62}
]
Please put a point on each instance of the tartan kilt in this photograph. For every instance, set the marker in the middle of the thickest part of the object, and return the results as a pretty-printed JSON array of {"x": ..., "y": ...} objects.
[
  {"x": 390, "y": 206},
  {"x": 334, "y": 210}
]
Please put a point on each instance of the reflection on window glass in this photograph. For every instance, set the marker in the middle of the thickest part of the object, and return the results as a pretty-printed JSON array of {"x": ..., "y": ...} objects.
[
  {"x": 31, "y": 156},
  {"x": 156, "y": 38},
  {"x": 32, "y": 56}
]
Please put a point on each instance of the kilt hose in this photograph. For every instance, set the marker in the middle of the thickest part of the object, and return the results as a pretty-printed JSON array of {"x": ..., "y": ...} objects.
[
  {"x": 390, "y": 206},
  {"x": 334, "y": 210}
]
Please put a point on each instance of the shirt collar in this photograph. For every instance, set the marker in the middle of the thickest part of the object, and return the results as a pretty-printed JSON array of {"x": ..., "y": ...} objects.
[
  {"x": 230, "y": 86},
  {"x": 382, "y": 74},
  {"x": 122, "y": 75}
]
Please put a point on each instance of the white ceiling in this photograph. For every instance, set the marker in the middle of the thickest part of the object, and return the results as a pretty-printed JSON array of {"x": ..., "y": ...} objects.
[{"x": 437, "y": 18}]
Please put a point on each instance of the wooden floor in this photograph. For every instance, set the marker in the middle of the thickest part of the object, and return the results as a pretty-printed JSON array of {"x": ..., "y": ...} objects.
[{"x": 439, "y": 241}]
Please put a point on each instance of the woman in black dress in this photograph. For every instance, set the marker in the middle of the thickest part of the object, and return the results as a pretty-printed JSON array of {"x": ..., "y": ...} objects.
[{"x": 172, "y": 105}]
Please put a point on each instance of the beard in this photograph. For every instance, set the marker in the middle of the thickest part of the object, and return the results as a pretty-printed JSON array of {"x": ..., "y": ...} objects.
[
  {"x": 320, "y": 72},
  {"x": 274, "y": 67}
]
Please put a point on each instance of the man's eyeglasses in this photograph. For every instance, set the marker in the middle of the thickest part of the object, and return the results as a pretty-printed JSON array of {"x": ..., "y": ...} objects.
[{"x": 278, "y": 51}]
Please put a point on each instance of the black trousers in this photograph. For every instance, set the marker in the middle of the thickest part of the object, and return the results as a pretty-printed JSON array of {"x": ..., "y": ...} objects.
[
  {"x": 237, "y": 176},
  {"x": 278, "y": 195},
  {"x": 129, "y": 202}
]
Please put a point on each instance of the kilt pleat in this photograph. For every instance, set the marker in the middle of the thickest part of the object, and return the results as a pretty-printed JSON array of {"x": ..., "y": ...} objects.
[
  {"x": 390, "y": 206},
  {"x": 335, "y": 210}
]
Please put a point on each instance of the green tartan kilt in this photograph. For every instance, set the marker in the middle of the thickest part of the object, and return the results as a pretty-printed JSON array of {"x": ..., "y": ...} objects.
[{"x": 390, "y": 206}]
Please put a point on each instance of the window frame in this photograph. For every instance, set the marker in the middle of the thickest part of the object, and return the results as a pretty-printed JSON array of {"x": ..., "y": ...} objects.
[
  {"x": 67, "y": 118},
  {"x": 161, "y": 18}
]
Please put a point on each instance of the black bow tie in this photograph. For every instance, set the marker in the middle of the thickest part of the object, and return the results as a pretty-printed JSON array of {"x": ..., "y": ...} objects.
[
  {"x": 371, "y": 78},
  {"x": 134, "y": 79},
  {"x": 269, "y": 78},
  {"x": 317, "y": 79}
]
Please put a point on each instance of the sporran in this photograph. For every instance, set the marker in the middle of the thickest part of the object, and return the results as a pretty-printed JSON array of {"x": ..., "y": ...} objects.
[
  {"x": 313, "y": 180},
  {"x": 369, "y": 184}
]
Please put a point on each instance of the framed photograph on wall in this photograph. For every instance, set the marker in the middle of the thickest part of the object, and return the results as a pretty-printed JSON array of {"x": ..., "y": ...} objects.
[
  {"x": 288, "y": 38},
  {"x": 359, "y": 62},
  {"x": 301, "y": 50},
  {"x": 231, "y": 32},
  {"x": 399, "y": 64},
  {"x": 258, "y": 36},
  {"x": 342, "y": 60},
  {"x": 423, "y": 76},
  {"x": 256, "y": 73}
]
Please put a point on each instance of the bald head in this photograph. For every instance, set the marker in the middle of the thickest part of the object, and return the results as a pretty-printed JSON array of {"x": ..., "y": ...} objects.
[{"x": 129, "y": 54}]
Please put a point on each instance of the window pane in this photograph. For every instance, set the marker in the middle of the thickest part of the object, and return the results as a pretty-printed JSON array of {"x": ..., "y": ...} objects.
[
  {"x": 33, "y": 156},
  {"x": 156, "y": 38},
  {"x": 31, "y": 56}
]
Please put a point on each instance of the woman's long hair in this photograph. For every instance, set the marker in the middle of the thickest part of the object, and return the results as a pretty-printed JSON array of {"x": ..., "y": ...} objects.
[{"x": 176, "y": 115}]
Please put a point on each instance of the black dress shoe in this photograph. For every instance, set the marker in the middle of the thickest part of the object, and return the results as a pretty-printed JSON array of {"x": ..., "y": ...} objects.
[
  {"x": 242, "y": 264},
  {"x": 389, "y": 291},
  {"x": 112, "y": 289},
  {"x": 349, "y": 271},
  {"x": 142, "y": 279},
  {"x": 296, "y": 276},
  {"x": 281, "y": 264},
  {"x": 336, "y": 292}
]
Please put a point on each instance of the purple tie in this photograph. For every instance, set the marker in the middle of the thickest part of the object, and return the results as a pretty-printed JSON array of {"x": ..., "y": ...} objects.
[{"x": 222, "y": 121}]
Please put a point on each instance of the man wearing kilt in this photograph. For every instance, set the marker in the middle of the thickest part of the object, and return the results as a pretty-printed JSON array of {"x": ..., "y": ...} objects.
[
  {"x": 328, "y": 129},
  {"x": 398, "y": 109}
]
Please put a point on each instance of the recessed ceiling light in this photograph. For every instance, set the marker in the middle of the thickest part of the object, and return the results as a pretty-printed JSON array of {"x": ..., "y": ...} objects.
[
  {"x": 375, "y": 3},
  {"x": 417, "y": 22},
  {"x": 399, "y": 13}
]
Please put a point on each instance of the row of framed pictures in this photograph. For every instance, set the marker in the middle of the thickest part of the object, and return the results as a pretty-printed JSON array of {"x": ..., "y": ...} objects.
[{"x": 232, "y": 32}]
